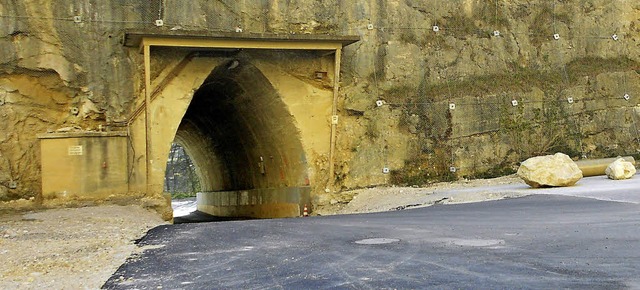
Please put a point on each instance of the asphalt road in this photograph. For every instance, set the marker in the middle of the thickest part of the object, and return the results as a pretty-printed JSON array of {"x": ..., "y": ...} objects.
[{"x": 540, "y": 241}]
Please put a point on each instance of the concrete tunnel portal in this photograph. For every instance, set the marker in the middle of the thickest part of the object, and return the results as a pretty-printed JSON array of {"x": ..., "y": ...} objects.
[
  {"x": 258, "y": 134},
  {"x": 242, "y": 140}
]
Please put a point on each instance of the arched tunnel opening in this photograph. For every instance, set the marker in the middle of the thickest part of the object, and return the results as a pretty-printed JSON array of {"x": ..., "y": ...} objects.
[{"x": 245, "y": 146}]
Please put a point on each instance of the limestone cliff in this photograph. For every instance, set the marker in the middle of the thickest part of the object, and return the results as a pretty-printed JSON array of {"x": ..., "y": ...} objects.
[{"x": 469, "y": 87}]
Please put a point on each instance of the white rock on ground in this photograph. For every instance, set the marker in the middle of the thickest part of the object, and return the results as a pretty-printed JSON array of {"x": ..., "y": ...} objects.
[
  {"x": 620, "y": 169},
  {"x": 550, "y": 170}
]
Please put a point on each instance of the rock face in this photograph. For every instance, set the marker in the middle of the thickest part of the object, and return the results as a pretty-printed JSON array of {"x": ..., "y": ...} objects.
[
  {"x": 550, "y": 170},
  {"x": 449, "y": 94},
  {"x": 620, "y": 169}
]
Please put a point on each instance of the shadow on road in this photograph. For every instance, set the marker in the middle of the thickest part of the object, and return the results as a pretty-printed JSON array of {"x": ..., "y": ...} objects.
[{"x": 200, "y": 217}]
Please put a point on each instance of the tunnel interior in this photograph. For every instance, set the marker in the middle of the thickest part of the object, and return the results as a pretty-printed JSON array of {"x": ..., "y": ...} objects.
[{"x": 240, "y": 134}]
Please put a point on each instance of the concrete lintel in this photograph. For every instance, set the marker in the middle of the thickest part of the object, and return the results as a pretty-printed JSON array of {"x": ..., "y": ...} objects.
[
  {"x": 237, "y": 43},
  {"x": 81, "y": 134},
  {"x": 238, "y": 40}
]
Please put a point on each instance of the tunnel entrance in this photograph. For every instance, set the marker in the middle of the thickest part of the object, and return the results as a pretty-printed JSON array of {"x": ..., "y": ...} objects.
[
  {"x": 256, "y": 113},
  {"x": 244, "y": 144}
]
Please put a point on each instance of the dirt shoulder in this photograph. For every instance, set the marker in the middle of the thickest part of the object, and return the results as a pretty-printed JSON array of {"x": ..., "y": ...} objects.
[
  {"x": 72, "y": 248},
  {"x": 380, "y": 199}
]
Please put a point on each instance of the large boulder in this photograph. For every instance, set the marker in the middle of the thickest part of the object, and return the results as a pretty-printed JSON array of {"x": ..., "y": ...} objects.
[
  {"x": 620, "y": 169},
  {"x": 550, "y": 170}
]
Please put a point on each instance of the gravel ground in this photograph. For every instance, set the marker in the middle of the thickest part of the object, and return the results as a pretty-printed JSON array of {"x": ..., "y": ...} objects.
[
  {"x": 380, "y": 199},
  {"x": 74, "y": 248}
]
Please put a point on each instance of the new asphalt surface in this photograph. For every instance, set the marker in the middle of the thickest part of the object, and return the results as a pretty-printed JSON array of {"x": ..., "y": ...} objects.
[{"x": 533, "y": 242}]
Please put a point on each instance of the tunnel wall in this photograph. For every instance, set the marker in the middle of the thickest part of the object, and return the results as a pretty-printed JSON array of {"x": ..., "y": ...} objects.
[
  {"x": 211, "y": 171},
  {"x": 167, "y": 110},
  {"x": 256, "y": 203}
]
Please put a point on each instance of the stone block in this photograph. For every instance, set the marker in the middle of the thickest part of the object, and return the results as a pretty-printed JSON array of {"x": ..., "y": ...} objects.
[
  {"x": 550, "y": 171},
  {"x": 620, "y": 169}
]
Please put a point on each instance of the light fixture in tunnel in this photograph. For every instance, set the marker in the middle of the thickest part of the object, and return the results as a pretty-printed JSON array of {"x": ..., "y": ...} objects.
[
  {"x": 261, "y": 165},
  {"x": 233, "y": 64}
]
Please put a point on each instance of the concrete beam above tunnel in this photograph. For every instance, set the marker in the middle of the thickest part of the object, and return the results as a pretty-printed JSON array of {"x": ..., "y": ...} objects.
[{"x": 242, "y": 41}]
